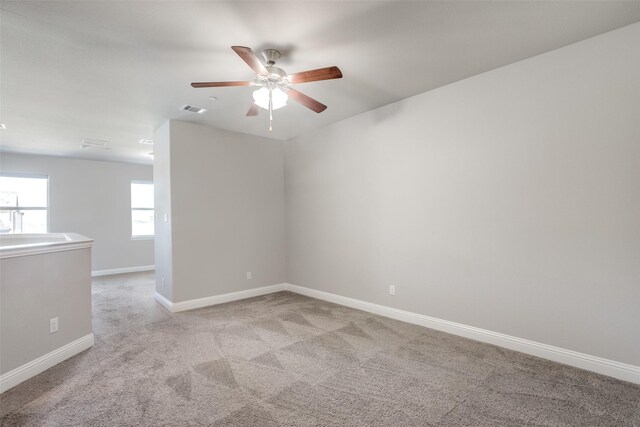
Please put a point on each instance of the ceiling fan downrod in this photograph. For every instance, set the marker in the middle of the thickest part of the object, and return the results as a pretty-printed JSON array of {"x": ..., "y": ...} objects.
[{"x": 270, "y": 107}]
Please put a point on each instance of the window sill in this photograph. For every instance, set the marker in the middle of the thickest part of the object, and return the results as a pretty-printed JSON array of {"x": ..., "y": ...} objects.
[{"x": 142, "y": 237}]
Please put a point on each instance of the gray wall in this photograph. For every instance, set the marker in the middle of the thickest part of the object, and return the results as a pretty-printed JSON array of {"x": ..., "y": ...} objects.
[
  {"x": 509, "y": 201},
  {"x": 92, "y": 198},
  {"x": 58, "y": 284},
  {"x": 226, "y": 210}
]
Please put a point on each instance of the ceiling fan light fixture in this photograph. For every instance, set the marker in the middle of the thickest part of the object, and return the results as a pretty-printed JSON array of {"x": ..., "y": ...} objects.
[{"x": 278, "y": 98}]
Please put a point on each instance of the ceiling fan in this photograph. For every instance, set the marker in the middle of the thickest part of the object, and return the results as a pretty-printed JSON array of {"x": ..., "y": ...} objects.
[{"x": 275, "y": 84}]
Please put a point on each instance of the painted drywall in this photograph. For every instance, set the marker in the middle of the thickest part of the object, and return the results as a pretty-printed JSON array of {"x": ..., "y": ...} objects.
[
  {"x": 508, "y": 201},
  {"x": 226, "y": 210},
  {"x": 58, "y": 284},
  {"x": 92, "y": 198}
]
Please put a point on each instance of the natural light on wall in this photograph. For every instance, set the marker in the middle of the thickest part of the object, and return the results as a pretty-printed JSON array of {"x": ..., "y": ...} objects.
[
  {"x": 23, "y": 203},
  {"x": 142, "y": 209}
]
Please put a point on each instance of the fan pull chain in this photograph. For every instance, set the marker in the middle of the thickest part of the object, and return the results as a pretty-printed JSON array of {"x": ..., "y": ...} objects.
[{"x": 270, "y": 108}]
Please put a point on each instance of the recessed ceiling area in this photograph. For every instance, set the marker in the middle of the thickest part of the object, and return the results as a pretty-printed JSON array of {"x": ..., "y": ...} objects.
[{"x": 115, "y": 71}]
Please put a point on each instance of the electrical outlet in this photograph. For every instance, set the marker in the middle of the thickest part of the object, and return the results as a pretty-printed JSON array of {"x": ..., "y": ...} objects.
[
  {"x": 392, "y": 289},
  {"x": 248, "y": 275},
  {"x": 53, "y": 325}
]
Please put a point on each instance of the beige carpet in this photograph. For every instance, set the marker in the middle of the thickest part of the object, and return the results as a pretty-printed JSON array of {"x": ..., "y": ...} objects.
[{"x": 285, "y": 359}]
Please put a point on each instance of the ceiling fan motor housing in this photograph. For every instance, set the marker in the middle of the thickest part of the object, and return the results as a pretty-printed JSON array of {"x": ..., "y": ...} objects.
[{"x": 276, "y": 75}]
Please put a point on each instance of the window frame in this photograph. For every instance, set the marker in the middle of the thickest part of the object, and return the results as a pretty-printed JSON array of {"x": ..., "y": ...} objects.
[
  {"x": 31, "y": 208},
  {"x": 141, "y": 236}
]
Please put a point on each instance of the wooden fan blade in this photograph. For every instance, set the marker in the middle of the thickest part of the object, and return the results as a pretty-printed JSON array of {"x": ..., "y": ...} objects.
[
  {"x": 220, "y": 84},
  {"x": 327, "y": 73},
  {"x": 308, "y": 102},
  {"x": 253, "y": 110},
  {"x": 251, "y": 59}
]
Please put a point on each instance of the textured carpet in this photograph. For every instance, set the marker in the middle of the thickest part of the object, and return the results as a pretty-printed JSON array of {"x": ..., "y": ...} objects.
[{"x": 285, "y": 359}]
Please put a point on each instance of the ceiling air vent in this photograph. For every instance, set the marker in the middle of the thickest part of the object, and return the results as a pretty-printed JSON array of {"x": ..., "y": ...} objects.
[
  {"x": 194, "y": 109},
  {"x": 94, "y": 143}
]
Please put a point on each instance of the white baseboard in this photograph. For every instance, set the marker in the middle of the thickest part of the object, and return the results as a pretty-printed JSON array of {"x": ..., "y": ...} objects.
[
  {"x": 217, "y": 299},
  {"x": 600, "y": 365},
  {"x": 596, "y": 364},
  {"x": 42, "y": 363},
  {"x": 163, "y": 301},
  {"x": 112, "y": 271}
]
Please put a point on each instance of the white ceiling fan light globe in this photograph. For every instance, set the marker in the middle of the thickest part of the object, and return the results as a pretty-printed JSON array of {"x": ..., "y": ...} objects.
[{"x": 278, "y": 98}]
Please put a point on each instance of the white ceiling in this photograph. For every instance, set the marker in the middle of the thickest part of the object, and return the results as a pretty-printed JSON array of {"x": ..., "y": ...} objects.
[{"x": 117, "y": 70}]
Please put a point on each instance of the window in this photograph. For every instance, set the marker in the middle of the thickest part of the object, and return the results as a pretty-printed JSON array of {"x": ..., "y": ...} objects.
[
  {"x": 23, "y": 203},
  {"x": 141, "y": 209}
]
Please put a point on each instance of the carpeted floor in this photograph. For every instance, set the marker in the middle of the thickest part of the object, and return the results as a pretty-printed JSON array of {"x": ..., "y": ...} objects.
[{"x": 285, "y": 359}]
